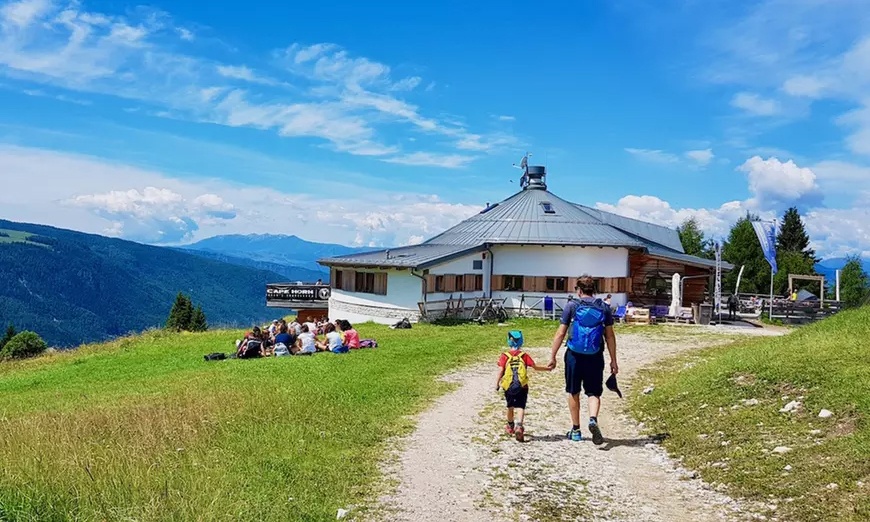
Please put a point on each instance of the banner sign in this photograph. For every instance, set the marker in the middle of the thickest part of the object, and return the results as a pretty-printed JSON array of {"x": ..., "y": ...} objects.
[
  {"x": 297, "y": 293},
  {"x": 766, "y": 233}
]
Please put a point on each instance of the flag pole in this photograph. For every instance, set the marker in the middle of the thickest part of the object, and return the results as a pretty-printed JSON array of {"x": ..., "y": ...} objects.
[{"x": 770, "y": 314}]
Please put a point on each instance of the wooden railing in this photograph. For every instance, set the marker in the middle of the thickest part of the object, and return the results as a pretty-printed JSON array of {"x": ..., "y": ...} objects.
[{"x": 791, "y": 312}]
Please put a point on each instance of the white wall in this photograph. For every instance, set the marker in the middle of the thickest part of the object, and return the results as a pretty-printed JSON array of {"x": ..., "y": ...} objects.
[
  {"x": 569, "y": 261},
  {"x": 462, "y": 265},
  {"x": 403, "y": 294}
]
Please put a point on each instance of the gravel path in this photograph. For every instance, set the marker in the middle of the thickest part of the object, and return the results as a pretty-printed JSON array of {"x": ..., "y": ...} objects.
[{"x": 458, "y": 465}]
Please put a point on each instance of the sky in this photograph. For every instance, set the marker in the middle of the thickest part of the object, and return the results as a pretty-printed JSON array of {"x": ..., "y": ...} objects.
[{"x": 383, "y": 124}]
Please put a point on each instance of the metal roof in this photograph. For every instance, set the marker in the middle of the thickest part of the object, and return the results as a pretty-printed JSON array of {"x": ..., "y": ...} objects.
[
  {"x": 524, "y": 219},
  {"x": 417, "y": 256},
  {"x": 667, "y": 237},
  {"x": 657, "y": 251},
  {"x": 532, "y": 216}
]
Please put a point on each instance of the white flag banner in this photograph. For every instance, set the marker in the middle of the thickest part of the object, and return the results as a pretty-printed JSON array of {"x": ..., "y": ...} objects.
[{"x": 766, "y": 232}]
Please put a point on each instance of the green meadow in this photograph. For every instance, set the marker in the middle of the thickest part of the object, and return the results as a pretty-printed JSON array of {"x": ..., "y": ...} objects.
[
  {"x": 706, "y": 404},
  {"x": 143, "y": 429}
]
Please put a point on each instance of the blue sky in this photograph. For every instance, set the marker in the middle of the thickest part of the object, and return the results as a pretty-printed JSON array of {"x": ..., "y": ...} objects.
[{"x": 383, "y": 125}]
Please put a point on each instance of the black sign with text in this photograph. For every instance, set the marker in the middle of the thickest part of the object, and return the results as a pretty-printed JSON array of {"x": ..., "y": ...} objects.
[{"x": 305, "y": 293}]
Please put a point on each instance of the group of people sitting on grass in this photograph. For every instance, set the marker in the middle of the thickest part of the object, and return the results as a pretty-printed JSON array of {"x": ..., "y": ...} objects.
[{"x": 282, "y": 339}]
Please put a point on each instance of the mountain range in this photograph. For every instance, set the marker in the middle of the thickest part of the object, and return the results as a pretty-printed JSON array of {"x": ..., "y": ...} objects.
[
  {"x": 829, "y": 267},
  {"x": 290, "y": 256},
  {"x": 74, "y": 288}
]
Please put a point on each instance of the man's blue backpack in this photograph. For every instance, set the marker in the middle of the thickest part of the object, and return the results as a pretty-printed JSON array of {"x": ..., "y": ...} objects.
[{"x": 587, "y": 330}]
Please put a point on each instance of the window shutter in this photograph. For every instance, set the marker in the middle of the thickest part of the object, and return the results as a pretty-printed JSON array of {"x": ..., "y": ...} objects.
[
  {"x": 449, "y": 283},
  {"x": 572, "y": 283},
  {"x": 468, "y": 283},
  {"x": 381, "y": 284},
  {"x": 540, "y": 284},
  {"x": 350, "y": 280},
  {"x": 430, "y": 284},
  {"x": 497, "y": 282}
]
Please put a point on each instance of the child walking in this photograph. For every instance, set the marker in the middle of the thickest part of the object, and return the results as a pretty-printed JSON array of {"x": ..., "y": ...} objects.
[{"x": 513, "y": 380}]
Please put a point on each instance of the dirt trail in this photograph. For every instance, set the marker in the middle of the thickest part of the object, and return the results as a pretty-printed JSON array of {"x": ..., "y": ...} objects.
[{"x": 458, "y": 465}]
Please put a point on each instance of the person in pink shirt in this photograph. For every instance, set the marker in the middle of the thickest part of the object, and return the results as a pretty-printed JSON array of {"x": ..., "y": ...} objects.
[{"x": 349, "y": 336}]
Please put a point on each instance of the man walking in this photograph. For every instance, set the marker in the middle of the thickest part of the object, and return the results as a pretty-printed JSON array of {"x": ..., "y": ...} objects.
[{"x": 591, "y": 325}]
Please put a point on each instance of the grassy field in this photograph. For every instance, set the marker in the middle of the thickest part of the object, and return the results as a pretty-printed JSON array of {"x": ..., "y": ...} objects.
[
  {"x": 143, "y": 429},
  {"x": 16, "y": 236},
  {"x": 706, "y": 403}
]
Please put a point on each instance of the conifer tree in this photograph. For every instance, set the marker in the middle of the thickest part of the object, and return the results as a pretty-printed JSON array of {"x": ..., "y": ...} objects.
[
  {"x": 181, "y": 314},
  {"x": 743, "y": 249},
  {"x": 793, "y": 236},
  {"x": 854, "y": 289},
  {"x": 10, "y": 333},
  {"x": 693, "y": 240},
  {"x": 198, "y": 323}
]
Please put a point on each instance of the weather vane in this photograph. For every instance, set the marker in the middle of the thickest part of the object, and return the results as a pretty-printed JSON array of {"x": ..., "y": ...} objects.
[{"x": 524, "y": 166}]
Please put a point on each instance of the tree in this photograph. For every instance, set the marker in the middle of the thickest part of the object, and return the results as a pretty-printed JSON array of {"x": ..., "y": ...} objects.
[
  {"x": 181, "y": 314},
  {"x": 10, "y": 333},
  {"x": 853, "y": 283},
  {"x": 23, "y": 345},
  {"x": 793, "y": 236},
  {"x": 198, "y": 323},
  {"x": 693, "y": 240},
  {"x": 792, "y": 263},
  {"x": 743, "y": 249}
]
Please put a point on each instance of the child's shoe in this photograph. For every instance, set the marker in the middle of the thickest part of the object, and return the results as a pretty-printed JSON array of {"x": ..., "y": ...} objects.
[
  {"x": 520, "y": 433},
  {"x": 509, "y": 429}
]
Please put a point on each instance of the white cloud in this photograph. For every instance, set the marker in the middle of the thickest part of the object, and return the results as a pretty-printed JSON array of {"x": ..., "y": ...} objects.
[
  {"x": 186, "y": 34},
  {"x": 702, "y": 157},
  {"x": 697, "y": 158},
  {"x": 803, "y": 85},
  {"x": 241, "y": 72},
  {"x": 150, "y": 206},
  {"x": 345, "y": 100},
  {"x": 429, "y": 159},
  {"x": 754, "y": 104},
  {"x": 406, "y": 84},
  {"x": 775, "y": 184},
  {"x": 505, "y": 117},
  {"x": 716, "y": 221},
  {"x": 653, "y": 155}
]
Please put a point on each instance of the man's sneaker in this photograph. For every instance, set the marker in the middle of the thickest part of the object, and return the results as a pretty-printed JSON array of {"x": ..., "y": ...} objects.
[
  {"x": 597, "y": 437},
  {"x": 520, "y": 434},
  {"x": 575, "y": 435},
  {"x": 508, "y": 429}
]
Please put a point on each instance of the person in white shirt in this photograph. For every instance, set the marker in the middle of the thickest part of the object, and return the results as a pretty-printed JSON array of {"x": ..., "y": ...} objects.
[
  {"x": 333, "y": 341},
  {"x": 305, "y": 342}
]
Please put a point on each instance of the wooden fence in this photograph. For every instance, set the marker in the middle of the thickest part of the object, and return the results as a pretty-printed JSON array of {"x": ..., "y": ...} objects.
[{"x": 790, "y": 312}]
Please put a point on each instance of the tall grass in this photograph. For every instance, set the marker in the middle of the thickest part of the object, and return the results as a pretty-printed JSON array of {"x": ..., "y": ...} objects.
[
  {"x": 698, "y": 401},
  {"x": 143, "y": 429}
]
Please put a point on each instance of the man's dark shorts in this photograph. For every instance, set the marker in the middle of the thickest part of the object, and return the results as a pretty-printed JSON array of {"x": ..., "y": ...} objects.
[
  {"x": 517, "y": 400},
  {"x": 584, "y": 371}
]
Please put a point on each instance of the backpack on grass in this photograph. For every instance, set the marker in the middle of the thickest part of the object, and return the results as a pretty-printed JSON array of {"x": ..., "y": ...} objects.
[
  {"x": 368, "y": 343},
  {"x": 516, "y": 374},
  {"x": 215, "y": 356}
]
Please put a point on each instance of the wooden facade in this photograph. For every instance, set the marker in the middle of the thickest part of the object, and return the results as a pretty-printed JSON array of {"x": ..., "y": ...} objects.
[{"x": 651, "y": 281}]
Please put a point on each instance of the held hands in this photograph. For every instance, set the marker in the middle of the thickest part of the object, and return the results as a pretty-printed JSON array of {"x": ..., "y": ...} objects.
[{"x": 552, "y": 364}]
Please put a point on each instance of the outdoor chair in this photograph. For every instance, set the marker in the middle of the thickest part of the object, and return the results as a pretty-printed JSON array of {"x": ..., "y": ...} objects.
[{"x": 619, "y": 315}]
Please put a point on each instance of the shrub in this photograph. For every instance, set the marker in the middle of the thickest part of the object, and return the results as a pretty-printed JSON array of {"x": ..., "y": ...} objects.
[{"x": 23, "y": 345}]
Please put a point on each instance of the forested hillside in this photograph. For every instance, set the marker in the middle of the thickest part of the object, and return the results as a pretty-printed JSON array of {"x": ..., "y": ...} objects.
[{"x": 73, "y": 288}]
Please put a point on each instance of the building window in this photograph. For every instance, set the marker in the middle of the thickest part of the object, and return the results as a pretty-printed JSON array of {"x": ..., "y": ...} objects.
[
  {"x": 478, "y": 283},
  {"x": 477, "y": 264},
  {"x": 513, "y": 282},
  {"x": 557, "y": 284},
  {"x": 439, "y": 283},
  {"x": 548, "y": 207},
  {"x": 458, "y": 283},
  {"x": 371, "y": 283},
  {"x": 337, "y": 279}
]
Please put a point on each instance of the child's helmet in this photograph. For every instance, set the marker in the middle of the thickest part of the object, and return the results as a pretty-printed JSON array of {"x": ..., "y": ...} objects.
[{"x": 515, "y": 339}]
